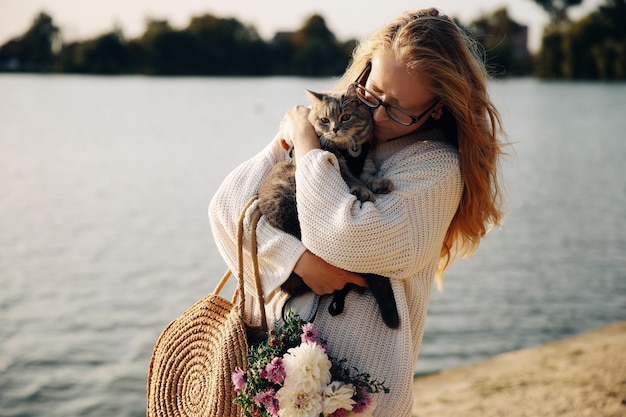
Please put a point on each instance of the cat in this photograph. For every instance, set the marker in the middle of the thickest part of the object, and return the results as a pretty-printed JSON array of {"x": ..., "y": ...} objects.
[{"x": 344, "y": 126}]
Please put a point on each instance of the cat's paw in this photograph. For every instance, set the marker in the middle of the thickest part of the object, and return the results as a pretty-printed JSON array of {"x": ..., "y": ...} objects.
[
  {"x": 363, "y": 193},
  {"x": 381, "y": 185}
]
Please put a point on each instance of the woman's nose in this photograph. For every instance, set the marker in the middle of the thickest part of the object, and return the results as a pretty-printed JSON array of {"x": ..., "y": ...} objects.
[{"x": 380, "y": 114}]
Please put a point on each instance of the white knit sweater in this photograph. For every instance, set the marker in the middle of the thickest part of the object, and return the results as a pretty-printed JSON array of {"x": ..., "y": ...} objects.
[{"x": 398, "y": 236}]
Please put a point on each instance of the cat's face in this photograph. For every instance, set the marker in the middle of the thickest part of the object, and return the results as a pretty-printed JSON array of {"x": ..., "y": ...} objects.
[{"x": 340, "y": 120}]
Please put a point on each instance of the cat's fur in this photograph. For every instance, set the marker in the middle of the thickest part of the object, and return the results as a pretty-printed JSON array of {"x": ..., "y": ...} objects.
[{"x": 344, "y": 126}]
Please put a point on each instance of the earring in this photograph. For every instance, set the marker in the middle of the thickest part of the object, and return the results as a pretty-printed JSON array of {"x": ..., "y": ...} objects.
[{"x": 436, "y": 115}]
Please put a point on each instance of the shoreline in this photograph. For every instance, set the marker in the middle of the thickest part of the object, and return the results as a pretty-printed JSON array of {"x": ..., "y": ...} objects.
[{"x": 583, "y": 375}]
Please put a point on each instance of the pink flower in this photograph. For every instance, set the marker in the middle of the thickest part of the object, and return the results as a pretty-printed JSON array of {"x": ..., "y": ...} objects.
[
  {"x": 363, "y": 399},
  {"x": 239, "y": 379},
  {"x": 275, "y": 371},
  {"x": 274, "y": 407},
  {"x": 269, "y": 400},
  {"x": 341, "y": 412},
  {"x": 309, "y": 333},
  {"x": 265, "y": 397}
]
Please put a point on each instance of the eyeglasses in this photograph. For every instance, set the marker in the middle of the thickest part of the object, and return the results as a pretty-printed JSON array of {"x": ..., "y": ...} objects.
[{"x": 373, "y": 101}]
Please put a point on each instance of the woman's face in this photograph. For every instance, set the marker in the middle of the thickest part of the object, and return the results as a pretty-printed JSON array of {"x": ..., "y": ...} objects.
[{"x": 391, "y": 81}]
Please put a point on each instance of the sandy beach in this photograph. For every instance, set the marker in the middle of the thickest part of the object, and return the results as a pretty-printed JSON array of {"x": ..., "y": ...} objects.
[{"x": 584, "y": 375}]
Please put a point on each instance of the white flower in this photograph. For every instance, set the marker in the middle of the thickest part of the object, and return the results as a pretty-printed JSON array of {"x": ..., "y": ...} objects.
[
  {"x": 368, "y": 412},
  {"x": 307, "y": 368},
  {"x": 337, "y": 395},
  {"x": 295, "y": 403}
]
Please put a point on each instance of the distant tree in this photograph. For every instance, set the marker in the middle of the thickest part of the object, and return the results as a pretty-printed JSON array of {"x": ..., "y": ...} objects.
[
  {"x": 614, "y": 13},
  {"x": 282, "y": 51},
  {"x": 550, "y": 59},
  {"x": 347, "y": 49},
  {"x": 106, "y": 54},
  {"x": 505, "y": 43},
  {"x": 315, "y": 28},
  {"x": 12, "y": 56},
  {"x": 167, "y": 51},
  {"x": 155, "y": 28},
  {"x": 227, "y": 47},
  {"x": 557, "y": 9},
  {"x": 35, "y": 50},
  {"x": 209, "y": 45},
  {"x": 592, "y": 48},
  {"x": 317, "y": 52}
]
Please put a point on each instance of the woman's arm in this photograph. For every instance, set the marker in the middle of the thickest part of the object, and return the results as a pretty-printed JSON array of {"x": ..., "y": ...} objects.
[
  {"x": 400, "y": 232},
  {"x": 397, "y": 235},
  {"x": 278, "y": 252},
  {"x": 322, "y": 277}
]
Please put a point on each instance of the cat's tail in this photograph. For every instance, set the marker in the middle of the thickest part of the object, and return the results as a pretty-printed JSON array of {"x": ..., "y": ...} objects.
[{"x": 383, "y": 293}]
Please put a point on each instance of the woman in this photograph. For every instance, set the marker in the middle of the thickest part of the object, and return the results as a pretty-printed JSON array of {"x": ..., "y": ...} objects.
[{"x": 436, "y": 138}]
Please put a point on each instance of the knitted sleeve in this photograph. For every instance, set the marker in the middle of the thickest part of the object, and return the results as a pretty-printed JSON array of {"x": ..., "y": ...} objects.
[
  {"x": 278, "y": 252},
  {"x": 397, "y": 235}
]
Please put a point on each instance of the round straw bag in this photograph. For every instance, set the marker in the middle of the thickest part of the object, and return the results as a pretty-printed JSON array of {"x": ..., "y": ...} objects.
[{"x": 195, "y": 356}]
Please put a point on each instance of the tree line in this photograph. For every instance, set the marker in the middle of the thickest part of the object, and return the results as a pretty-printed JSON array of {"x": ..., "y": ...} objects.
[
  {"x": 209, "y": 45},
  {"x": 592, "y": 48}
]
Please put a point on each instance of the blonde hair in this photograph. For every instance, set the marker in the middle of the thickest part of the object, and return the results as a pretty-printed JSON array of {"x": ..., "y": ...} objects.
[{"x": 435, "y": 47}]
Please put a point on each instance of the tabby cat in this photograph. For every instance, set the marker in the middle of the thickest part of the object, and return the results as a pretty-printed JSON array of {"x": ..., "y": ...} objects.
[{"x": 344, "y": 126}]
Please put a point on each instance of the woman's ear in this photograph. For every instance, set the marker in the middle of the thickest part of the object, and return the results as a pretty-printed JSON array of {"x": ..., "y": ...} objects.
[{"x": 437, "y": 112}]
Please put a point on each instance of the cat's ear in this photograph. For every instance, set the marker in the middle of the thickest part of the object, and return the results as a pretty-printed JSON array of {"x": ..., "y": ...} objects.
[
  {"x": 350, "y": 97},
  {"x": 351, "y": 91},
  {"x": 314, "y": 97}
]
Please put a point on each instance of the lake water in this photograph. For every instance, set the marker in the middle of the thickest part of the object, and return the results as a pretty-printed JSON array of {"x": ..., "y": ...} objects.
[{"x": 104, "y": 237}]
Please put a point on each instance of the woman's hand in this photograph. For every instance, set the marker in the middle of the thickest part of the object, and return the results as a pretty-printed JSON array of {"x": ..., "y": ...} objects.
[
  {"x": 322, "y": 277},
  {"x": 297, "y": 131}
]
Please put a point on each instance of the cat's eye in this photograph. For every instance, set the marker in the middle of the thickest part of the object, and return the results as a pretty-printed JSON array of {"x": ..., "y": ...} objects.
[
  {"x": 345, "y": 117},
  {"x": 325, "y": 120}
]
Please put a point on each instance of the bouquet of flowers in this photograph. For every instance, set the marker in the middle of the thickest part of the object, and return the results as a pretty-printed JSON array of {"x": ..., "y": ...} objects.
[{"x": 291, "y": 375}]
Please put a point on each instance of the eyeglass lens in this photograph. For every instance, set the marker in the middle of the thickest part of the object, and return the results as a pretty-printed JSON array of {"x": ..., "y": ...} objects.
[{"x": 369, "y": 99}]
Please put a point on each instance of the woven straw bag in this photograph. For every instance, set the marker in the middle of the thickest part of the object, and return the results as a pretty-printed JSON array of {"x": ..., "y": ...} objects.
[{"x": 193, "y": 359}]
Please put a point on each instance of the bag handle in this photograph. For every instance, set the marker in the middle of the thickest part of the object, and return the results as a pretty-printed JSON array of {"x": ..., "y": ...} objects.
[
  {"x": 223, "y": 281},
  {"x": 254, "y": 220},
  {"x": 256, "y": 215}
]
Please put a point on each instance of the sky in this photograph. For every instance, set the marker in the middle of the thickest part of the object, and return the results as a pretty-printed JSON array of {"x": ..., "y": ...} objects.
[{"x": 347, "y": 19}]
